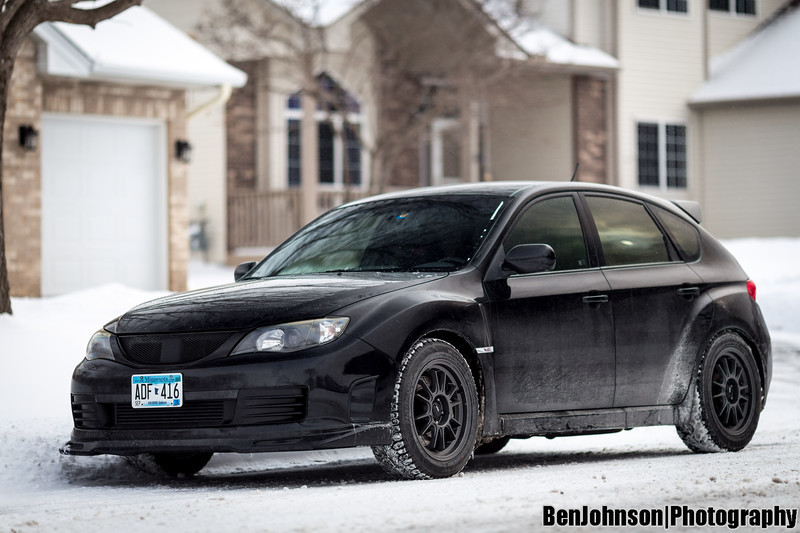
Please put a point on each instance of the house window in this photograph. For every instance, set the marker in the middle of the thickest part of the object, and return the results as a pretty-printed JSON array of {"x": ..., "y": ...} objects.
[
  {"x": 674, "y": 6},
  {"x": 662, "y": 155},
  {"x": 741, "y": 7},
  {"x": 338, "y": 118}
]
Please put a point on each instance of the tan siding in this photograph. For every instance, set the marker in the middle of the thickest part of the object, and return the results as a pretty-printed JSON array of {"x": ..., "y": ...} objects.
[
  {"x": 531, "y": 131},
  {"x": 593, "y": 23},
  {"x": 555, "y": 14},
  {"x": 752, "y": 178},
  {"x": 727, "y": 29},
  {"x": 661, "y": 56},
  {"x": 206, "y": 183}
]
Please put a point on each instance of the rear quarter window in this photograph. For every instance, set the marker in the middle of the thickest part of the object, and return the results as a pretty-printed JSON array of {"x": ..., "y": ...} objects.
[
  {"x": 628, "y": 234},
  {"x": 683, "y": 234}
]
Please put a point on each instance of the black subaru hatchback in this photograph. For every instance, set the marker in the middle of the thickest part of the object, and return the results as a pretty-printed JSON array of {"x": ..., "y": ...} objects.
[{"x": 436, "y": 323}]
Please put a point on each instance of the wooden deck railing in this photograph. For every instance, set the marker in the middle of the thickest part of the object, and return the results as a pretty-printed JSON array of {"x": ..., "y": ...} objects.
[{"x": 262, "y": 219}]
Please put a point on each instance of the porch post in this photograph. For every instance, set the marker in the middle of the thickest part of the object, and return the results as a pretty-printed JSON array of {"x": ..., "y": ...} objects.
[{"x": 309, "y": 157}]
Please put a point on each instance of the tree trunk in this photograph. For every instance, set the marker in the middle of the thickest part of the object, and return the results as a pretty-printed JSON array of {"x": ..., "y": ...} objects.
[
  {"x": 18, "y": 18},
  {"x": 6, "y": 69}
]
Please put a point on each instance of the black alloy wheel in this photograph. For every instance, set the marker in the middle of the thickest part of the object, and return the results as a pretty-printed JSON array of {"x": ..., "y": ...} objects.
[
  {"x": 731, "y": 392},
  {"x": 723, "y": 408},
  {"x": 434, "y": 414},
  {"x": 439, "y": 414}
]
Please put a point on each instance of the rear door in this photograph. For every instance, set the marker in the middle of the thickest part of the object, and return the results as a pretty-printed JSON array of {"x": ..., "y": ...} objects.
[{"x": 652, "y": 293}]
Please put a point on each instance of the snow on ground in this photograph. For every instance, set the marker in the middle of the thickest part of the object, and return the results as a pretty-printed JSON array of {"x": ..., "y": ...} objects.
[{"x": 345, "y": 490}]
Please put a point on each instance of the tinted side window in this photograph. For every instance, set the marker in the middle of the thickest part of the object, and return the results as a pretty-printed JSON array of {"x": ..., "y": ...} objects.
[
  {"x": 683, "y": 234},
  {"x": 555, "y": 222},
  {"x": 627, "y": 232}
]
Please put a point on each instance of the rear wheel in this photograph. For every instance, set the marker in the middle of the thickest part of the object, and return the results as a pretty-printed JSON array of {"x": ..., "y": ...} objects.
[
  {"x": 175, "y": 465},
  {"x": 434, "y": 414},
  {"x": 722, "y": 411}
]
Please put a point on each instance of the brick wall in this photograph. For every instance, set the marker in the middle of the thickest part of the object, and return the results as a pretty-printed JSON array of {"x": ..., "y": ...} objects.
[
  {"x": 22, "y": 190},
  {"x": 590, "y": 128},
  {"x": 29, "y": 96},
  {"x": 241, "y": 130}
]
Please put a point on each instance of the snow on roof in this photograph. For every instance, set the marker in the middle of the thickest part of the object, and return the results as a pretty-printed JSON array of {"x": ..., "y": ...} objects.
[
  {"x": 542, "y": 41},
  {"x": 319, "y": 12},
  {"x": 136, "y": 45},
  {"x": 528, "y": 33},
  {"x": 766, "y": 65},
  {"x": 537, "y": 39}
]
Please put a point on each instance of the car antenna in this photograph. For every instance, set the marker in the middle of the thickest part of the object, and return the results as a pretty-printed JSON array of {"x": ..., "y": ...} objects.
[{"x": 575, "y": 174}]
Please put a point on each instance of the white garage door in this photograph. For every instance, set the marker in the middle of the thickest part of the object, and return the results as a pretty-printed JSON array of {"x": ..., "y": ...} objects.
[{"x": 103, "y": 203}]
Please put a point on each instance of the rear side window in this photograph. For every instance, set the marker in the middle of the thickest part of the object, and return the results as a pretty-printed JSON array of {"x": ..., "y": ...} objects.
[
  {"x": 553, "y": 221},
  {"x": 628, "y": 234},
  {"x": 682, "y": 233}
]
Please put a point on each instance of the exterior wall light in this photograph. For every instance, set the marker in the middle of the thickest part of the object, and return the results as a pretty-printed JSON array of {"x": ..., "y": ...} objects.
[
  {"x": 28, "y": 138},
  {"x": 183, "y": 151}
]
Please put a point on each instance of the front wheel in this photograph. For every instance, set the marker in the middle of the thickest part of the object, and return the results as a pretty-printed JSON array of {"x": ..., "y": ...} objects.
[
  {"x": 434, "y": 414},
  {"x": 724, "y": 405}
]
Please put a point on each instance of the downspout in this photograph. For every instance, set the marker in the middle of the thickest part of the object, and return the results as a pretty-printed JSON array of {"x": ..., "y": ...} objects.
[{"x": 221, "y": 98}]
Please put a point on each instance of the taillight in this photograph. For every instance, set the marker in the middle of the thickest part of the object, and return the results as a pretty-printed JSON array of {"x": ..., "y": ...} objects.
[{"x": 751, "y": 289}]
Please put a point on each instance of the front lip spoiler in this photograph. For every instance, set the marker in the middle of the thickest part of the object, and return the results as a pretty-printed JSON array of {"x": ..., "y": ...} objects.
[{"x": 244, "y": 440}]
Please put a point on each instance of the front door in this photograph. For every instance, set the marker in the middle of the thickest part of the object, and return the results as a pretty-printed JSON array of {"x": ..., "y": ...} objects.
[{"x": 553, "y": 332}]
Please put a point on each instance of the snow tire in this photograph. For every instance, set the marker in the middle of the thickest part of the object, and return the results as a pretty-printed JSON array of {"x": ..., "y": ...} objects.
[
  {"x": 434, "y": 414},
  {"x": 723, "y": 405}
]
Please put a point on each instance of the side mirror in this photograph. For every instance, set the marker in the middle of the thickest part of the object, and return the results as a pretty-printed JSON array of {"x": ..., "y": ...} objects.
[
  {"x": 243, "y": 269},
  {"x": 530, "y": 259}
]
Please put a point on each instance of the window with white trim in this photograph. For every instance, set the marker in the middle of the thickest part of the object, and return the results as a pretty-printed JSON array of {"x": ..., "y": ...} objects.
[
  {"x": 339, "y": 149},
  {"x": 661, "y": 156},
  {"x": 740, "y": 7},
  {"x": 673, "y": 6}
]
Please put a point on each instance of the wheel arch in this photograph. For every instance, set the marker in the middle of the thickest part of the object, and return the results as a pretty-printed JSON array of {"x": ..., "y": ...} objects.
[{"x": 470, "y": 354}]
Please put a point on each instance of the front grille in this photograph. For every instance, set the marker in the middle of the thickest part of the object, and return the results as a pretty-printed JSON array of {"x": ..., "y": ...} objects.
[
  {"x": 271, "y": 406},
  {"x": 196, "y": 414},
  {"x": 253, "y": 407},
  {"x": 175, "y": 348}
]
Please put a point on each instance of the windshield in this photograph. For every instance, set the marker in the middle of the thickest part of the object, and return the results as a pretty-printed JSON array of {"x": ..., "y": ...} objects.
[{"x": 433, "y": 234}]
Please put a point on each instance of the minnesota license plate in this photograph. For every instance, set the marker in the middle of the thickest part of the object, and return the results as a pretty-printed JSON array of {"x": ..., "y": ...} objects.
[{"x": 156, "y": 390}]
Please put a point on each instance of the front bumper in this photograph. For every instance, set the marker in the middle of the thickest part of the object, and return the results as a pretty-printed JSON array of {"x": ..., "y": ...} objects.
[
  {"x": 331, "y": 396},
  {"x": 295, "y": 437}
]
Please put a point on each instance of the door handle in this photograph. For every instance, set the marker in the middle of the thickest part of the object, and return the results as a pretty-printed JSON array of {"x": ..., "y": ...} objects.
[
  {"x": 689, "y": 293},
  {"x": 595, "y": 300}
]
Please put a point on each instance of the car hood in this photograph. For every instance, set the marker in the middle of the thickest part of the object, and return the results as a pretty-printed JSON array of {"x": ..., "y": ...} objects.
[{"x": 254, "y": 303}]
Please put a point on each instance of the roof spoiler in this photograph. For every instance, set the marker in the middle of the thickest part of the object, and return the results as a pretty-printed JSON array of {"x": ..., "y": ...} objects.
[{"x": 691, "y": 208}]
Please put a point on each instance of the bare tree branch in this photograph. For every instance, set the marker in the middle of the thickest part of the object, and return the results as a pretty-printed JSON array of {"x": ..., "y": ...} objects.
[{"x": 64, "y": 12}]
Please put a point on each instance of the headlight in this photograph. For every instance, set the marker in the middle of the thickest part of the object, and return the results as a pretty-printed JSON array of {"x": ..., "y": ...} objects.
[
  {"x": 292, "y": 337},
  {"x": 99, "y": 346}
]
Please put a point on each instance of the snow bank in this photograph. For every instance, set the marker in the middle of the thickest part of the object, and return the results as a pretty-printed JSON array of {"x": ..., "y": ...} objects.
[{"x": 772, "y": 264}]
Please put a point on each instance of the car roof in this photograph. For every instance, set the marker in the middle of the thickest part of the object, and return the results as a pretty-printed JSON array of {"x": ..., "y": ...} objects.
[{"x": 525, "y": 189}]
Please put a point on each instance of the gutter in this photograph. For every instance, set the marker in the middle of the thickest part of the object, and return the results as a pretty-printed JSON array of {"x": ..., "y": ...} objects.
[{"x": 221, "y": 98}]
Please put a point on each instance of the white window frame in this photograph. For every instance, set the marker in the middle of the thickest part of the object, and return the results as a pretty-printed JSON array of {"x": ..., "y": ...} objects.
[
  {"x": 662, "y": 153},
  {"x": 339, "y": 145},
  {"x": 662, "y": 9},
  {"x": 438, "y": 127},
  {"x": 732, "y": 10}
]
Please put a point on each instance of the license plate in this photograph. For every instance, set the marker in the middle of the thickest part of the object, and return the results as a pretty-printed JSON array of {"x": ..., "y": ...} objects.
[{"x": 156, "y": 390}]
